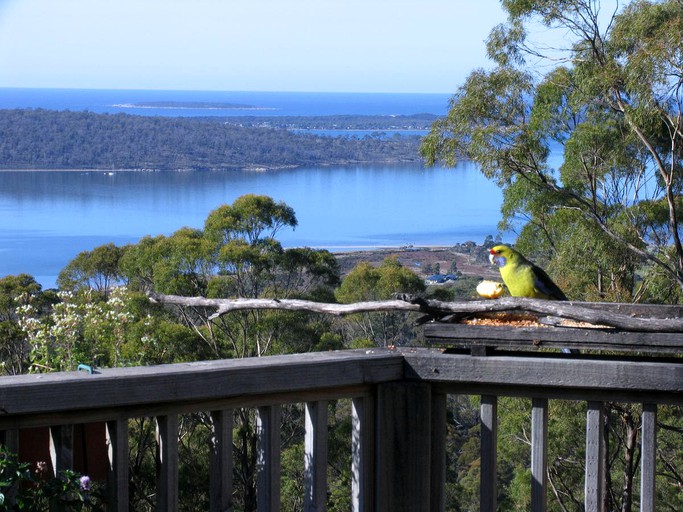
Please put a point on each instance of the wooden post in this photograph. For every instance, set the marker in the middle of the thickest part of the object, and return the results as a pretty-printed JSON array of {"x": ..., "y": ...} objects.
[
  {"x": 10, "y": 440},
  {"x": 648, "y": 439},
  {"x": 439, "y": 433},
  {"x": 489, "y": 442},
  {"x": 220, "y": 463},
  {"x": 167, "y": 463},
  {"x": 403, "y": 447},
  {"x": 539, "y": 454},
  {"x": 595, "y": 440},
  {"x": 315, "y": 457},
  {"x": 117, "y": 475},
  {"x": 362, "y": 454},
  {"x": 268, "y": 458}
]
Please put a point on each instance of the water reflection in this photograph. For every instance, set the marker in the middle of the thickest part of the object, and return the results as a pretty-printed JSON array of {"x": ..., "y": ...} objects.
[{"x": 48, "y": 217}]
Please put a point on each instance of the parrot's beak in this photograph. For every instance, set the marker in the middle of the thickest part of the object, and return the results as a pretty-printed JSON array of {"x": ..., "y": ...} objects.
[{"x": 492, "y": 259}]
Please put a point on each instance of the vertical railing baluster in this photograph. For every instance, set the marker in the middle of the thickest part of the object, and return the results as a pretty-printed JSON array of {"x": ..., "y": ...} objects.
[
  {"x": 117, "y": 477},
  {"x": 220, "y": 463},
  {"x": 61, "y": 447},
  {"x": 539, "y": 454},
  {"x": 268, "y": 458},
  {"x": 648, "y": 439},
  {"x": 315, "y": 457},
  {"x": 489, "y": 442},
  {"x": 362, "y": 454},
  {"x": 595, "y": 441},
  {"x": 167, "y": 463}
]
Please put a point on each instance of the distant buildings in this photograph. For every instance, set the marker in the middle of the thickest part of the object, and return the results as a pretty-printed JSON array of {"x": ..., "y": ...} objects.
[{"x": 440, "y": 279}]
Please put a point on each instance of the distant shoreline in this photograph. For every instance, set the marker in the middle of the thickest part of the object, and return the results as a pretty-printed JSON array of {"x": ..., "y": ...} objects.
[{"x": 189, "y": 106}]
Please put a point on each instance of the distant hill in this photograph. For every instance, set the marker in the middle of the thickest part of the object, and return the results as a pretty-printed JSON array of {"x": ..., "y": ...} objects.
[{"x": 46, "y": 139}]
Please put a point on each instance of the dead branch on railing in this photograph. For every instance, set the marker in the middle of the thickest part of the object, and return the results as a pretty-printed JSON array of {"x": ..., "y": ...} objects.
[{"x": 437, "y": 309}]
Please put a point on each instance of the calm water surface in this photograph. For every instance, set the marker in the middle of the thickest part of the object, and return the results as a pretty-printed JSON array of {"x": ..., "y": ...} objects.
[{"x": 49, "y": 217}]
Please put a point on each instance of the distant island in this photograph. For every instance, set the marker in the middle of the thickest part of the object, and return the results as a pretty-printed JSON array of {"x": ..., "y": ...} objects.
[
  {"x": 195, "y": 105},
  {"x": 48, "y": 139}
]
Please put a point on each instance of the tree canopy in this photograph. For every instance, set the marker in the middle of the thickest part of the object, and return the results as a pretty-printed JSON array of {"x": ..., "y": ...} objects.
[
  {"x": 46, "y": 139},
  {"x": 610, "y": 101}
]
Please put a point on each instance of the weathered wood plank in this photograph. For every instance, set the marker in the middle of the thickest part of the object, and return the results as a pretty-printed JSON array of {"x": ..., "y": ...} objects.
[
  {"x": 595, "y": 445},
  {"x": 268, "y": 421},
  {"x": 105, "y": 413},
  {"x": 220, "y": 461},
  {"x": 539, "y": 454},
  {"x": 549, "y": 376},
  {"x": 315, "y": 457},
  {"x": 117, "y": 477},
  {"x": 403, "y": 447},
  {"x": 197, "y": 381},
  {"x": 488, "y": 483},
  {"x": 535, "y": 338},
  {"x": 167, "y": 463},
  {"x": 648, "y": 463},
  {"x": 362, "y": 454}
]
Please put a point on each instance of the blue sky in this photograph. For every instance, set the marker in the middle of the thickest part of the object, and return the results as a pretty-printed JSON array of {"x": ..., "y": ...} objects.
[{"x": 245, "y": 45}]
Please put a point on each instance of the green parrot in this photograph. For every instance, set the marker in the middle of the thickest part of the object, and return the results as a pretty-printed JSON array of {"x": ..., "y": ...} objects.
[{"x": 523, "y": 278}]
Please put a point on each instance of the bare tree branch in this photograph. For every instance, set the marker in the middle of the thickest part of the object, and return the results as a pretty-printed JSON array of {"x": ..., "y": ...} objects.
[{"x": 570, "y": 310}]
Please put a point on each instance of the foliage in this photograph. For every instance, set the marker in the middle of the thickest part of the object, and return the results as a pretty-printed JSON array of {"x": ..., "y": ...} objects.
[
  {"x": 17, "y": 292},
  {"x": 366, "y": 283},
  {"x": 613, "y": 107},
  {"x": 97, "y": 269},
  {"x": 605, "y": 219},
  {"x": 43, "y": 139},
  {"x": 22, "y": 489},
  {"x": 237, "y": 254},
  {"x": 93, "y": 329}
]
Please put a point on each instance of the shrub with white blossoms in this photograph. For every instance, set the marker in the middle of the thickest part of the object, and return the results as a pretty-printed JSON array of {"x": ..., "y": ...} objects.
[{"x": 81, "y": 328}]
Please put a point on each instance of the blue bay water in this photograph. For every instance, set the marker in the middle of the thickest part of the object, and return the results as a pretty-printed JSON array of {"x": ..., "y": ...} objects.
[
  {"x": 267, "y": 103},
  {"x": 49, "y": 217}
]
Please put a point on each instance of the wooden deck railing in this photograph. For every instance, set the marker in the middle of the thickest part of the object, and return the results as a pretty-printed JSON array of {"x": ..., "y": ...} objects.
[{"x": 398, "y": 409}]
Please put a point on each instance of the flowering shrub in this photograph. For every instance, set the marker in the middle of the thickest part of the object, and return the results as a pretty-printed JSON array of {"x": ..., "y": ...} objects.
[
  {"x": 80, "y": 329},
  {"x": 22, "y": 489}
]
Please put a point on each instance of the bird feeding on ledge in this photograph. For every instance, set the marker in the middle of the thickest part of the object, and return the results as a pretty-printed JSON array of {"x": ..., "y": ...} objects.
[{"x": 523, "y": 278}]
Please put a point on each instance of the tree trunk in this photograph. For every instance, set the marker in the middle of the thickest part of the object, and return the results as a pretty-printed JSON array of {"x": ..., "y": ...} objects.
[{"x": 630, "y": 446}]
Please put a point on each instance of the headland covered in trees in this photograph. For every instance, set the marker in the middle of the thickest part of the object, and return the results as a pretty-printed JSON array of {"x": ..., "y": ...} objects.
[{"x": 48, "y": 139}]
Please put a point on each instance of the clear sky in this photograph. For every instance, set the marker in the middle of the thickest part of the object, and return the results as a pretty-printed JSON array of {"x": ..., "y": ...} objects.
[{"x": 245, "y": 45}]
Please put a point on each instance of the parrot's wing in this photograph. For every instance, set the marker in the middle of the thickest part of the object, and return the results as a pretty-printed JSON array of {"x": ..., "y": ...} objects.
[{"x": 545, "y": 285}]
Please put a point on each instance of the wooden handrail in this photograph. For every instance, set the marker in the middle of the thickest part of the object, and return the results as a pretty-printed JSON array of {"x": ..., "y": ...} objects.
[{"x": 398, "y": 411}]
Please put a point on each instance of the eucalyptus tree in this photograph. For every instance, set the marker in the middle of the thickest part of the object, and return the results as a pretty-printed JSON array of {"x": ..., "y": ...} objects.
[
  {"x": 367, "y": 283},
  {"x": 16, "y": 293},
  {"x": 608, "y": 97},
  {"x": 584, "y": 134},
  {"x": 97, "y": 269},
  {"x": 237, "y": 255}
]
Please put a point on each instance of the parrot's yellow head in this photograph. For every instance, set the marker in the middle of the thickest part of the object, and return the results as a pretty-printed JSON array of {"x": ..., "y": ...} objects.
[{"x": 501, "y": 255}]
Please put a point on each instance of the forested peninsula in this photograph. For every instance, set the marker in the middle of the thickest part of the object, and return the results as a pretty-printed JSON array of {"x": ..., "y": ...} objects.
[{"x": 46, "y": 139}]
